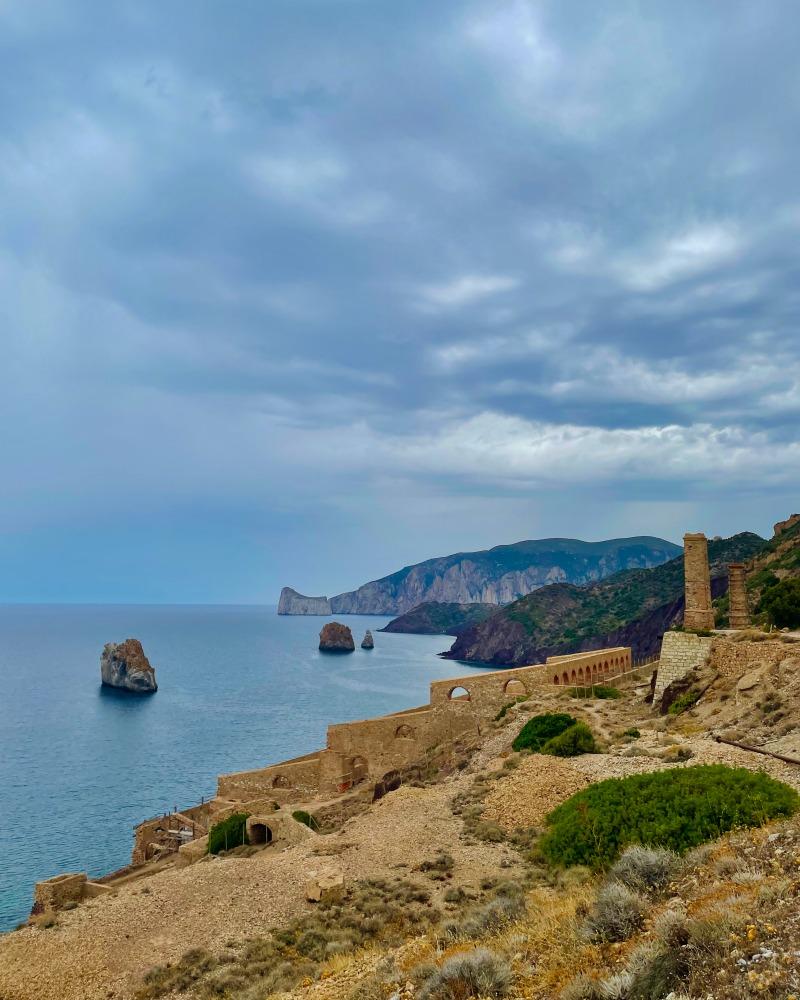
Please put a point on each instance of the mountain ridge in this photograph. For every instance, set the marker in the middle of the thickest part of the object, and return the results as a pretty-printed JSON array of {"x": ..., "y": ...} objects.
[{"x": 499, "y": 575}]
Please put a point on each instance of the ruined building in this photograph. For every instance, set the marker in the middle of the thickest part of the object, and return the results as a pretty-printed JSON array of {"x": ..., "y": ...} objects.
[
  {"x": 699, "y": 613},
  {"x": 739, "y": 614}
]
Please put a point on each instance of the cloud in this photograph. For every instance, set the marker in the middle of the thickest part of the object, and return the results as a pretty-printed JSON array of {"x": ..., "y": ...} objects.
[{"x": 465, "y": 290}]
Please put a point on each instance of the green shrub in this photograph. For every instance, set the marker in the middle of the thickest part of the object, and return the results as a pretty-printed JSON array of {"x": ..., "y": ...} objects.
[
  {"x": 305, "y": 818},
  {"x": 632, "y": 734},
  {"x": 541, "y": 728},
  {"x": 678, "y": 809},
  {"x": 597, "y": 691},
  {"x": 781, "y": 602},
  {"x": 683, "y": 702},
  {"x": 572, "y": 742},
  {"x": 228, "y": 833}
]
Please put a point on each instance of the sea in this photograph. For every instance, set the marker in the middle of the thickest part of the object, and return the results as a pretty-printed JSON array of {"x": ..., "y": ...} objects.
[{"x": 238, "y": 687}]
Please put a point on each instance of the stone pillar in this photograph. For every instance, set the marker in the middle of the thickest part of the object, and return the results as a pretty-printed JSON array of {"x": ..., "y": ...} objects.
[
  {"x": 739, "y": 611},
  {"x": 698, "y": 614}
]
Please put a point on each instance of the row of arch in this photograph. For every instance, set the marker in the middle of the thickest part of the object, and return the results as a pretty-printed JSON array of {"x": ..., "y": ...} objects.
[
  {"x": 513, "y": 688},
  {"x": 594, "y": 671}
]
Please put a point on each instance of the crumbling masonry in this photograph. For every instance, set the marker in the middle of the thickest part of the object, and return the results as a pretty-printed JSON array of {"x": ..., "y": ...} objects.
[
  {"x": 699, "y": 614},
  {"x": 739, "y": 614}
]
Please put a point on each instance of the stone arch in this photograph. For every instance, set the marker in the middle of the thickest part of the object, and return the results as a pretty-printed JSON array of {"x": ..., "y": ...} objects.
[
  {"x": 514, "y": 687},
  {"x": 580, "y": 674},
  {"x": 555, "y": 679},
  {"x": 459, "y": 693},
  {"x": 404, "y": 732},
  {"x": 574, "y": 677},
  {"x": 260, "y": 833},
  {"x": 359, "y": 769},
  {"x": 281, "y": 781},
  {"x": 565, "y": 678}
]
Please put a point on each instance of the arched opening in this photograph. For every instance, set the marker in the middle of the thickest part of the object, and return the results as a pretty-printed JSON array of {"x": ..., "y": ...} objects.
[
  {"x": 565, "y": 678},
  {"x": 359, "y": 770},
  {"x": 404, "y": 733},
  {"x": 555, "y": 679},
  {"x": 458, "y": 694},
  {"x": 515, "y": 687},
  {"x": 580, "y": 675},
  {"x": 260, "y": 833},
  {"x": 605, "y": 667},
  {"x": 281, "y": 781},
  {"x": 574, "y": 677}
]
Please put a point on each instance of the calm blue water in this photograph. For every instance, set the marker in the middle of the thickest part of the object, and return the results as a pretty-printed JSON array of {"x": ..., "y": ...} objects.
[{"x": 239, "y": 687}]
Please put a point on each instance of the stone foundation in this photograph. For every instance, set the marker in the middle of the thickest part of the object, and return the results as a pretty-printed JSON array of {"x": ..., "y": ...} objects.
[{"x": 681, "y": 652}]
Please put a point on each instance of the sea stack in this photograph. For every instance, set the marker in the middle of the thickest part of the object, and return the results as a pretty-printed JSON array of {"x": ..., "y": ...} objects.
[
  {"x": 336, "y": 638},
  {"x": 124, "y": 665},
  {"x": 368, "y": 642}
]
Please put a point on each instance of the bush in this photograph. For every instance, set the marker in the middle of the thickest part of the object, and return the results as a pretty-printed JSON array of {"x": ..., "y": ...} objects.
[
  {"x": 683, "y": 702},
  {"x": 306, "y": 819},
  {"x": 479, "y": 973},
  {"x": 617, "y": 913},
  {"x": 572, "y": 742},
  {"x": 781, "y": 602},
  {"x": 541, "y": 728},
  {"x": 645, "y": 869},
  {"x": 228, "y": 833},
  {"x": 678, "y": 809},
  {"x": 517, "y": 701}
]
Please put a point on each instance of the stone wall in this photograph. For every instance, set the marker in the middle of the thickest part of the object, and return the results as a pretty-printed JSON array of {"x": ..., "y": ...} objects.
[
  {"x": 53, "y": 893},
  {"x": 681, "y": 652},
  {"x": 739, "y": 614},
  {"x": 731, "y": 658},
  {"x": 289, "y": 781}
]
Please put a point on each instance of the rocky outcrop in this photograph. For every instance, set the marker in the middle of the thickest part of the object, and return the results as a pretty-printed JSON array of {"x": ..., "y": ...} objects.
[
  {"x": 368, "y": 642},
  {"x": 123, "y": 665},
  {"x": 292, "y": 603},
  {"x": 336, "y": 638},
  {"x": 632, "y": 608},
  {"x": 500, "y": 575},
  {"x": 440, "y": 618}
]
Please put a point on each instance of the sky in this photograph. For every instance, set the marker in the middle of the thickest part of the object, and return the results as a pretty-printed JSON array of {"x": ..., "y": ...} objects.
[{"x": 302, "y": 291}]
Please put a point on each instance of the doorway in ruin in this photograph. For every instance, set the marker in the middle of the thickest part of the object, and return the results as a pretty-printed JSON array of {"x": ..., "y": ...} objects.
[
  {"x": 515, "y": 688},
  {"x": 260, "y": 833}
]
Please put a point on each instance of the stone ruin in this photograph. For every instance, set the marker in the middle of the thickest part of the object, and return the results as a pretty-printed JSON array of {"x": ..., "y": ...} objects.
[
  {"x": 739, "y": 614},
  {"x": 698, "y": 614}
]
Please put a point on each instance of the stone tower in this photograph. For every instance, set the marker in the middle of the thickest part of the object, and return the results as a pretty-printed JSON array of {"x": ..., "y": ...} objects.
[
  {"x": 698, "y": 614},
  {"x": 739, "y": 611}
]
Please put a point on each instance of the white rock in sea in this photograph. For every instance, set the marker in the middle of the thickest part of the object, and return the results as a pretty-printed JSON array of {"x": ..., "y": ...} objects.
[{"x": 124, "y": 665}]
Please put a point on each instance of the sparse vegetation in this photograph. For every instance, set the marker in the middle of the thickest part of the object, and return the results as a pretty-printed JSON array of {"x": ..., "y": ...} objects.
[
  {"x": 684, "y": 702},
  {"x": 479, "y": 973},
  {"x": 306, "y": 819},
  {"x": 604, "y": 691},
  {"x": 228, "y": 833},
  {"x": 645, "y": 869},
  {"x": 677, "y": 809},
  {"x": 503, "y": 711},
  {"x": 617, "y": 912}
]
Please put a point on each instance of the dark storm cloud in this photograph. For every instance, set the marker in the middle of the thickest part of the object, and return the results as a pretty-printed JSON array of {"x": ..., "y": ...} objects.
[{"x": 372, "y": 257}]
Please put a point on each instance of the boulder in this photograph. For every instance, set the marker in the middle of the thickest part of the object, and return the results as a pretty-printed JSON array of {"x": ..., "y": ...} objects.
[
  {"x": 368, "y": 642},
  {"x": 336, "y": 638},
  {"x": 325, "y": 888},
  {"x": 123, "y": 665}
]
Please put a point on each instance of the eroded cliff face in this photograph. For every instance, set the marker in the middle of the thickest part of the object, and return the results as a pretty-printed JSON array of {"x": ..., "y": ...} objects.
[
  {"x": 499, "y": 575},
  {"x": 292, "y": 603}
]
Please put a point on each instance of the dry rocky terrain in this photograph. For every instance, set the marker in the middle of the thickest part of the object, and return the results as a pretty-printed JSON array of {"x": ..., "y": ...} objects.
[{"x": 104, "y": 947}]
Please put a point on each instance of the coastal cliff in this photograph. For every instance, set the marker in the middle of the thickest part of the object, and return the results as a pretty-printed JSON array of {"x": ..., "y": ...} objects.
[
  {"x": 292, "y": 603},
  {"x": 495, "y": 576}
]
